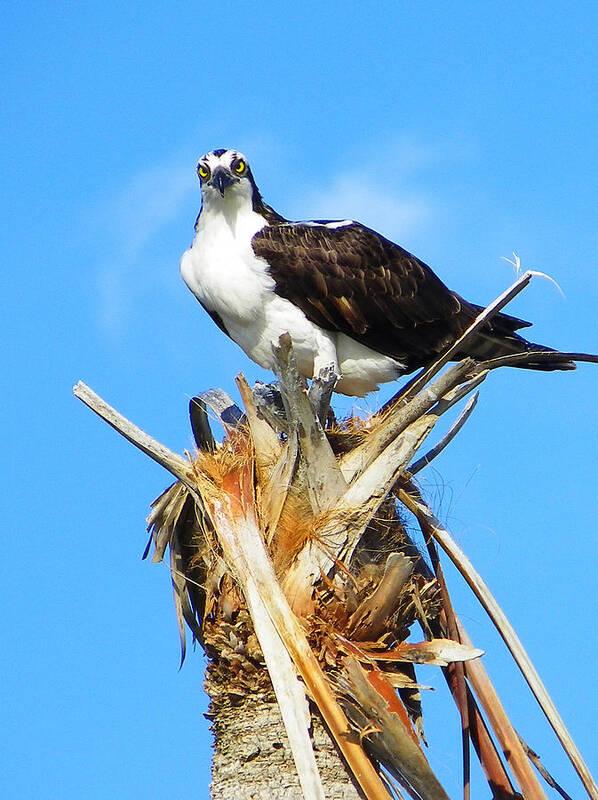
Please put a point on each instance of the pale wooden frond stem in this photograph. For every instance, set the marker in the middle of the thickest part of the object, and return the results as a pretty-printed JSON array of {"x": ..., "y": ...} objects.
[
  {"x": 448, "y": 437},
  {"x": 400, "y": 417},
  {"x": 265, "y": 440},
  {"x": 178, "y": 466},
  {"x": 342, "y": 529},
  {"x": 247, "y": 555},
  {"x": 238, "y": 537},
  {"x": 501, "y": 724},
  {"x": 411, "y": 498},
  {"x": 489, "y": 312},
  {"x": 325, "y": 481}
]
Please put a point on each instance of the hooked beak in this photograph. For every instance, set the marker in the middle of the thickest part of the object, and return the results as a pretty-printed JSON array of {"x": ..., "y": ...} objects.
[{"x": 222, "y": 179}]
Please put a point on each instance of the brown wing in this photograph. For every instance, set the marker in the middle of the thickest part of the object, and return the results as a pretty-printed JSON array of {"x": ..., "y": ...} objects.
[{"x": 353, "y": 280}]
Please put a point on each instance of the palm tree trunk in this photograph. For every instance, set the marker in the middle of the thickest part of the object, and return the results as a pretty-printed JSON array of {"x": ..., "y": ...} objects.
[{"x": 252, "y": 758}]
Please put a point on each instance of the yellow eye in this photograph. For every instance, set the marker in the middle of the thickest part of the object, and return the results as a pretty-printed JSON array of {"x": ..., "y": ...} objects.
[
  {"x": 240, "y": 167},
  {"x": 203, "y": 172}
]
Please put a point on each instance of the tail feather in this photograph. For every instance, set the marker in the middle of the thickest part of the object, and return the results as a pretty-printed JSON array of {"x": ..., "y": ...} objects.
[
  {"x": 497, "y": 338},
  {"x": 487, "y": 346}
]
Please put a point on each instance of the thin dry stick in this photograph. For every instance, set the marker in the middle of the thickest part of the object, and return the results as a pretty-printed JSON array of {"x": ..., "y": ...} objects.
[
  {"x": 487, "y": 751},
  {"x": 448, "y": 437},
  {"x": 458, "y": 667},
  {"x": 176, "y": 465},
  {"x": 494, "y": 307},
  {"x": 238, "y": 536},
  {"x": 501, "y": 724},
  {"x": 412, "y": 499},
  {"x": 535, "y": 759},
  {"x": 485, "y": 693}
]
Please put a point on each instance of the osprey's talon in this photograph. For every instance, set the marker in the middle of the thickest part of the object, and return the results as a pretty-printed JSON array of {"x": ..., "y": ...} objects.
[{"x": 328, "y": 374}]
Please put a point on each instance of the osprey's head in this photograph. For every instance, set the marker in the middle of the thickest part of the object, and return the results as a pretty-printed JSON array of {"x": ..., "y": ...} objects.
[
  {"x": 227, "y": 184},
  {"x": 225, "y": 172}
]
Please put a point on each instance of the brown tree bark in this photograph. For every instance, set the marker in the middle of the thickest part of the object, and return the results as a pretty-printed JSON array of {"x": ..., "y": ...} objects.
[{"x": 252, "y": 758}]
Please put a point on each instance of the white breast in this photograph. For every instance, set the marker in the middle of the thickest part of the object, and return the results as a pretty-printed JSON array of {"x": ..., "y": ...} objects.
[
  {"x": 221, "y": 269},
  {"x": 223, "y": 272}
]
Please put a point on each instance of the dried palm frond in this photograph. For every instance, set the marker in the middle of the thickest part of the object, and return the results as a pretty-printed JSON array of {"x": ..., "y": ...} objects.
[{"x": 289, "y": 557}]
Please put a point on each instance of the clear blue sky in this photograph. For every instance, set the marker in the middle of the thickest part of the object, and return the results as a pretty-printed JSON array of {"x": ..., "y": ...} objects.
[{"x": 463, "y": 130}]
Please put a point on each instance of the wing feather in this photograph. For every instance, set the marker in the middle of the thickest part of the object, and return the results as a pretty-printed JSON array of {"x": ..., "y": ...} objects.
[{"x": 351, "y": 279}]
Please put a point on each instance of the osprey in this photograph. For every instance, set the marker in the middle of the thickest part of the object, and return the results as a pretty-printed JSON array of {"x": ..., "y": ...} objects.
[{"x": 350, "y": 298}]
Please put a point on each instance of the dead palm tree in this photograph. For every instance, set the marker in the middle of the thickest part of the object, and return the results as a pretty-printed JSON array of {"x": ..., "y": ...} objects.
[{"x": 292, "y": 567}]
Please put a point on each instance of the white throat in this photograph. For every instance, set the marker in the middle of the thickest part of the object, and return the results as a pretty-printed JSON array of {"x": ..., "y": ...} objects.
[
  {"x": 234, "y": 210},
  {"x": 221, "y": 268}
]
